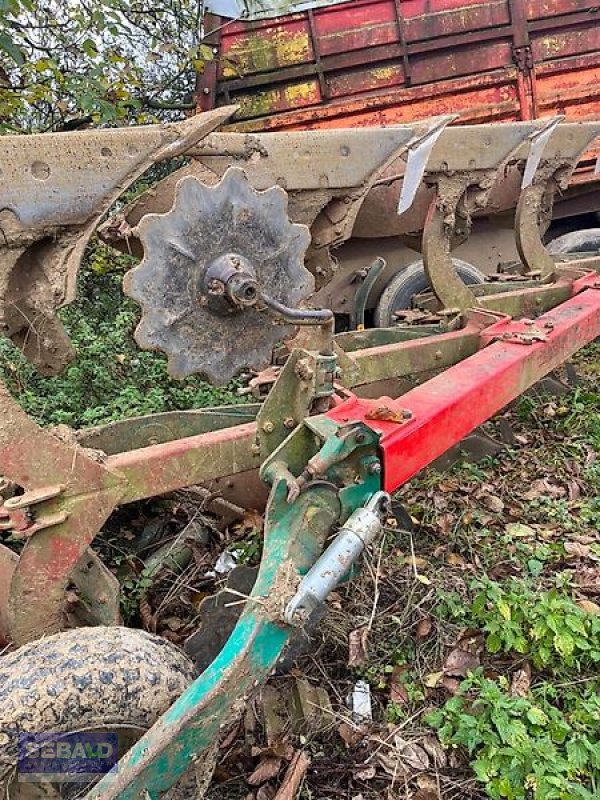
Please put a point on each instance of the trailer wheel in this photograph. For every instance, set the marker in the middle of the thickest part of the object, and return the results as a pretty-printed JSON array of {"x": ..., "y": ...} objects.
[
  {"x": 586, "y": 242},
  {"x": 404, "y": 285},
  {"x": 114, "y": 680}
]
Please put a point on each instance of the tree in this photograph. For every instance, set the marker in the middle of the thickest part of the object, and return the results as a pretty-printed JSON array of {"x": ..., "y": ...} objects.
[{"x": 64, "y": 63}]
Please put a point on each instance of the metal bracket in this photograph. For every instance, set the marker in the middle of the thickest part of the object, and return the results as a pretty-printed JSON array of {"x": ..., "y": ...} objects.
[
  {"x": 523, "y": 331},
  {"x": 17, "y": 514}
]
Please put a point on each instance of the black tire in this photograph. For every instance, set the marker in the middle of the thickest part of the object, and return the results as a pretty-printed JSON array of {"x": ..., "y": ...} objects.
[
  {"x": 405, "y": 284},
  {"x": 584, "y": 241},
  {"x": 114, "y": 679}
]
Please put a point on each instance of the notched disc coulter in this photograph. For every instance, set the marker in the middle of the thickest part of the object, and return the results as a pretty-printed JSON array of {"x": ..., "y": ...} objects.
[{"x": 209, "y": 264}]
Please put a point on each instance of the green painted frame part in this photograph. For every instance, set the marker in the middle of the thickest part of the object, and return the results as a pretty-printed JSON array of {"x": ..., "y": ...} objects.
[{"x": 294, "y": 538}]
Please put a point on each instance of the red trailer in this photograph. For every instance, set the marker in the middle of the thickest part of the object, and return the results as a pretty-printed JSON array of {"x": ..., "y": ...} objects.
[{"x": 385, "y": 62}]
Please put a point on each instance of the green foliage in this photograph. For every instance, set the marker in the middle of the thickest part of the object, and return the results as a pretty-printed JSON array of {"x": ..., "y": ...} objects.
[
  {"x": 111, "y": 378},
  {"x": 106, "y": 61},
  {"x": 526, "y": 747},
  {"x": 546, "y": 626}
]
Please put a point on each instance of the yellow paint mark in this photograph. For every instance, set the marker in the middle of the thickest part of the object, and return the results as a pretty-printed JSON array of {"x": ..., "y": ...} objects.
[
  {"x": 299, "y": 91},
  {"x": 269, "y": 51},
  {"x": 384, "y": 73}
]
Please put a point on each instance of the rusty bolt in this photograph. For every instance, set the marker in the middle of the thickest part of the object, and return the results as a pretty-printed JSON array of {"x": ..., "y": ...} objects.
[
  {"x": 374, "y": 468},
  {"x": 255, "y": 449},
  {"x": 304, "y": 370},
  {"x": 529, "y": 322},
  {"x": 206, "y": 90},
  {"x": 406, "y": 413},
  {"x": 359, "y": 438},
  {"x": 268, "y": 427},
  {"x": 289, "y": 422},
  {"x": 438, "y": 355},
  {"x": 549, "y": 325}
]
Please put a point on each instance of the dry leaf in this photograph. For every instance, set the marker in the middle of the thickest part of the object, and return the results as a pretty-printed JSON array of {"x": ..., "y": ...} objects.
[
  {"x": 385, "y": 414},
  {"x": 424, "y": 628},
  {"x": 520, "y": 531},
  {"x": 543, "y": 488},
  {"x": 357, "y": 647},
  {"x": 426, "y": 794},
  {"x": 293, "y": 777},
  {"x": 432, "y": 680},
  {"x": 576, "y": 549},
  {"x": 588, "y": 579},
  {"x": 365, "y": 772},
  {"x": 416, "y": 562},
  {"x": 350, "y": 735},
  {"x": 267, "y": 769},
  {"x": 398, "y": 692},
  {"x": 446, "y": 523},
  {"x": 451, "y": 685},
  {"x": 494, "y": 503},
  {"x": 456, "y": 560},
  {"x": 412, "y": 754},
  {"x": 266, "y": 792},
  {"x": 460, "y": 662},
  {"x": 433, "y": 747},
  {"x": 521, "y": 681},
  {"x": 588, "y": 606}
]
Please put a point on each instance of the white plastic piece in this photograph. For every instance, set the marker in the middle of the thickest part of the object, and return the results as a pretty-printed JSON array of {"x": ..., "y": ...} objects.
[{"x": 360, "y": 703}]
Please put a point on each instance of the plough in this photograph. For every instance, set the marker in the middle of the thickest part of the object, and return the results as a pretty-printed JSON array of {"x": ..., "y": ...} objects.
[{"x": 237, "y": 248}]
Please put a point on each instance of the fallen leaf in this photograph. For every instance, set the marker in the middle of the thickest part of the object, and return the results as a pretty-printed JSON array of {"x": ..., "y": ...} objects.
[
  {"x": 293, "y": 777},
  {"x": 424, "y": 628},
  {"x": 456, "y": 560},
  {"x": 494, "y": 503},
  {"x": 432, "y": 680},
  {"x": 365, "y": 772},
  {"x": 446, "y": 523},
  {"x": 521, "y": 681},
  {"x": 416, "y": 562},
  {"x": 460, "y": 662},
  {"x": 451, "y": 685},
  {"x": 543, "y": 488},
  {"x": 519, "y": 531},
  {"x": 412, "y": 754},
  {"x": 357, "y": 647},
  {"x": 398, "y": 692},
  {"x": 266, "y": 792},
  {"x": 589, "y": 606},
  {"x": 426, "y": 794},
  {"x": 349, "y": 734},
  {"x": 434, "y": 748},
  {"x": 576, "y": 549},
  {"x": 588, "y": 579},
  {"x": 268, "y": 768},
  {"x": 386, "y": 414}
]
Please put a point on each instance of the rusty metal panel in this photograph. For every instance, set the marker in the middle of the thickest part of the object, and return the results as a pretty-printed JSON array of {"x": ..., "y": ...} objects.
[{"x": 375, "y": 56}]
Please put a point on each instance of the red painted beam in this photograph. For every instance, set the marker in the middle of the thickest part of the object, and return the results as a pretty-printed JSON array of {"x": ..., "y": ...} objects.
[{"x": 450, "y": 406}]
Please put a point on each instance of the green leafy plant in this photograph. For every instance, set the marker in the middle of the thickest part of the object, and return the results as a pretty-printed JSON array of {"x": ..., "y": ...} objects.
[
  {"x": 525, "y": 748},
  {"x": 546, "y": 626},
  {"x": 111, "y": 378}
]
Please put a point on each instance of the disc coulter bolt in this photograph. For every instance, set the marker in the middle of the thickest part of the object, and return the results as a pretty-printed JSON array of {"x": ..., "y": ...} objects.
[
  {"x": 268, "y": 427},
  {"x": 289, "y": 422}
]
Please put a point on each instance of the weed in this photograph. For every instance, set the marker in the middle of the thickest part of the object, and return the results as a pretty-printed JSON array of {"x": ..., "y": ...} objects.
[{"x": 525, "y": 747}]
